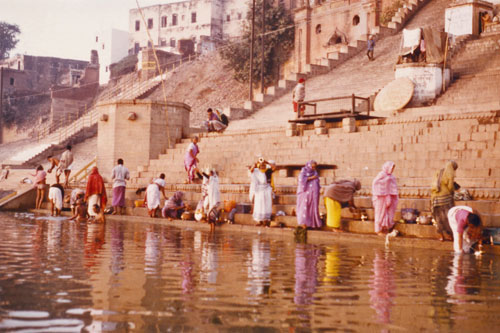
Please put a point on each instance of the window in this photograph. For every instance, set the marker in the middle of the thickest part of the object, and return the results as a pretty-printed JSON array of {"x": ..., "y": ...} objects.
[
  {"x": 11, "y": 81},
  {"x": 228, "y": 18},
  {"x": 355, "y": 20},
  {"x": 163, "y": 21},
  {"x": 137, "y": 25},
  {"x": 150, "y": 23},
  {"x": 107, "y": 68},
  {"x": 172, "y": 42},
  {"x": 239, "y": 16},
  {"x": 318, "y": 29},
  {"x": 163, "y": 42},
  {"x": 193, "y": 17},
  {"x": 182, "y": 18},
  {"x": 174, "y": 19},
  {"x": 97, "y": 39},
  {"x": 103, "y": 46},
  {"x": 137, "y": 48},
  {"x": 150, "y": 45}
]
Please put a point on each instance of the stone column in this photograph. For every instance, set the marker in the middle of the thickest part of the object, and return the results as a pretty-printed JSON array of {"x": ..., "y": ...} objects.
[{"x": 138, "y": 131}]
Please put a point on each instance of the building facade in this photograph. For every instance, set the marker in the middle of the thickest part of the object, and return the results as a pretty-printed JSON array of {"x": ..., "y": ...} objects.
[
  {"x": 322, "y": 26},
  {"x": 201, "y": 21},
  {"x": 112, "y": 46}
]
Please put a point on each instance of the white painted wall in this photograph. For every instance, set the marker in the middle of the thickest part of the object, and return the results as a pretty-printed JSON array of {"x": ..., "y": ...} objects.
[
  {"x": 427, "y": 78},
  {"x": 458, "y": 20},
  {"x": 111, "y": 46}
]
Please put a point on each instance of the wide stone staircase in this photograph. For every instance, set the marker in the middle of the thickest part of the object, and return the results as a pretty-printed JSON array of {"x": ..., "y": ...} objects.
[
  {"x": 325, "y": 63},
  {"x": 128, "y": 87},
  {"x": 356, "y": 75},
  {"x": 476, "y": 74},
  {"x": 418, "y": 145}
]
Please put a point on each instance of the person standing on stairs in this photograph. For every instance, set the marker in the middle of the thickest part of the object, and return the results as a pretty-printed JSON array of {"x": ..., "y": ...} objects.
[
  {"x": 298, "y": 95},
  {"x": 307, "y": 209},
  {"x": 119, "y": 175},
  {"x": 370, "y": 47},
  {"x": 65, "y": 164},
  {"x": 261, "y": 192},
  {"x": 442, "y": 190},
  {"x": 191, "y": 161},
  {"x": 337, "y": 196},
  {"x": 385, "y": 198}
]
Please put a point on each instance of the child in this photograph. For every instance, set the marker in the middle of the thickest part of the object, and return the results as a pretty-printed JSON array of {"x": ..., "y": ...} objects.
[
  {"x": 80, "y": 214},
  {"x": 99, "y": 218}
]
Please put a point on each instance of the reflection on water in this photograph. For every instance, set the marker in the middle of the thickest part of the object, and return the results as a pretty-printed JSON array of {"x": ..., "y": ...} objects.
[{"x": 57, "y": 275}]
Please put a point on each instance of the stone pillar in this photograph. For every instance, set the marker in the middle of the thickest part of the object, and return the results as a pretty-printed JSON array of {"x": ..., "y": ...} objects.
[
  {"x": 349, "y": 124},
  {"x": 136, "y": 130}
]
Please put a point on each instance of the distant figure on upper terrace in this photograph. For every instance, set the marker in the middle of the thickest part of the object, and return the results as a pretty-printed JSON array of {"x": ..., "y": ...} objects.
[
  {"x": 442, "y": 188},
  {"x": 298, "y": 95},
  {"x": 385, "y": 198},
  {"x": 5, "y": 172},
  {"x": 370, "y": 47},
  {"x": 213, "y": 122}
]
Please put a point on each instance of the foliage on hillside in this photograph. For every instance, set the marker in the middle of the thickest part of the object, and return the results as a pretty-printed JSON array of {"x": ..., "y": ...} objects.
[
  {"x": 8, "y": 38},
  {"x": 389, "y": 11},
  {"x": 278, "y": 41},
  {"x": 24, "y": 111}
]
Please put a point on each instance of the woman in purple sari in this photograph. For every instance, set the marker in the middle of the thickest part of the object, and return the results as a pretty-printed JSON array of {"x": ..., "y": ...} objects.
[
  {"x": 308, "y": 197},
  {"x": 190, "y": 159}
]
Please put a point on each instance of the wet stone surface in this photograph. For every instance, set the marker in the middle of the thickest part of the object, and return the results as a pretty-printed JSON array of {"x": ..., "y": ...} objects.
[{"x": 57, "y": 275}]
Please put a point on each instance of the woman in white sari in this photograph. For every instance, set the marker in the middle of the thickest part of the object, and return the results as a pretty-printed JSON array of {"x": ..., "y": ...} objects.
[{"x": 261, "y": 193}]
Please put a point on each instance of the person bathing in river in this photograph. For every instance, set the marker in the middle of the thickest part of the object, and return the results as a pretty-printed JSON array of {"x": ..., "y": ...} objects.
[
  {"x": 337, "y": 196},
  {"x": 56, "y": 195},
  {"x": 40, "y": 177},
  {"x": 95, "y": 193},
  {"x": 81, "y": 211},
  {"x": 385, "y": 198},
  {"x": 466, "y": 227}
]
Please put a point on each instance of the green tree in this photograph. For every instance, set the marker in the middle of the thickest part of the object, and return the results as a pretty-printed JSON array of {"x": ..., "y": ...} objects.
[
  {"x": 278, "y": 41},
  {"x": 8, "y": 38}
]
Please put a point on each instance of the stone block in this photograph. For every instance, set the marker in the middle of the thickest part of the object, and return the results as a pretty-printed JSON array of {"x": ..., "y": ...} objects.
[
  {"x": 321, "y": 130},
  {"x": 319, "y": 123},
  {"x": 290, "y": 132},
  {"x": 291, "y": 126},
  {"x": 349, "y": 125}
]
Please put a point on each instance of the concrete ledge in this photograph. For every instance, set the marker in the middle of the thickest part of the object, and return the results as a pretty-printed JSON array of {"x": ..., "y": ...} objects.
[{"x": 313, "y": 237}]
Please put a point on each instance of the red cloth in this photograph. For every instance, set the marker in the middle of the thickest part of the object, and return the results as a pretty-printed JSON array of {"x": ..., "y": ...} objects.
[{"x": 95, "y": 185}]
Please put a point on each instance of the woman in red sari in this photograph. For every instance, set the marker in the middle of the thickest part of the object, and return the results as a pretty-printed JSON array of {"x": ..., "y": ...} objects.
[{"x": 96, "y": 192}]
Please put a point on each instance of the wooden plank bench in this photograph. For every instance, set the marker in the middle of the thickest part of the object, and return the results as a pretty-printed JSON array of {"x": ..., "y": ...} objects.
[{"x": 293, "y": 170}]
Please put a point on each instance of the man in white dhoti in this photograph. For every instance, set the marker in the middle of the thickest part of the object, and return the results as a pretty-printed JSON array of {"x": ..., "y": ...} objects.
[
  {"x": 153, "y": 197},
  {"x": 56, "y": 194}
]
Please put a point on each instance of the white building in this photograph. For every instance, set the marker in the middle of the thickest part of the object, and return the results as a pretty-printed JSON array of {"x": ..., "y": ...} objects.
[
  {"x": 111, "y": 46},
  {"x": 187, "y": 20}
]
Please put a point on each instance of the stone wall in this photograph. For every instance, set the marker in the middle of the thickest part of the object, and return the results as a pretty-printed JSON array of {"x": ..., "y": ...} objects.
[{"x": 138, "y": 131}]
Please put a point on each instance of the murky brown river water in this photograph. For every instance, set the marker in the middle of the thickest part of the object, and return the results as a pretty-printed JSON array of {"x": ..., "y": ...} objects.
[{"x": 60, "y": 276}]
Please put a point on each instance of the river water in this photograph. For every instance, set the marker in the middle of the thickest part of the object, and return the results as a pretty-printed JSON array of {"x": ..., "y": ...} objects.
[{"x": 61, "y": 276}]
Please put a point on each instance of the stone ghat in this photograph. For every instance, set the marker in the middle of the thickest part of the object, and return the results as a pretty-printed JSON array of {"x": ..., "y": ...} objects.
[{"x": 418, "y": 145}]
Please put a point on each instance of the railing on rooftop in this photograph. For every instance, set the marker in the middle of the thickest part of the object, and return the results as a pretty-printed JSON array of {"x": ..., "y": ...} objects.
[{"x": 334, "y": 107}]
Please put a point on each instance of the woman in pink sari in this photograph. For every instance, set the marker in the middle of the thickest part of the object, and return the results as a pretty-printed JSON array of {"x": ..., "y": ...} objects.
[
  {"x": 190, "y": 159},
  {"x": 385, "y": 198}
]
